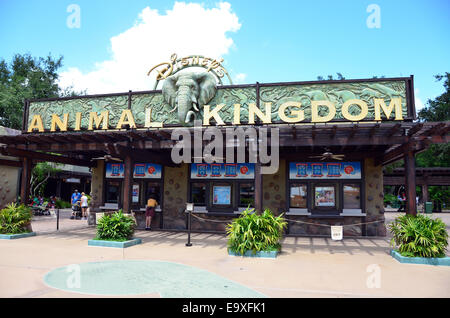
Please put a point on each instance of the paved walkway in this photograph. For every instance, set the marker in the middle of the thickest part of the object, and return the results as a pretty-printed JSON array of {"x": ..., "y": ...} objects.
[{"x": 307, "y": 267}]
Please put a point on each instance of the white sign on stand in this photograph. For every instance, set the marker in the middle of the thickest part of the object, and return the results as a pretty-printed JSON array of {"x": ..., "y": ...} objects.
[{"x": 336, "y": 233}]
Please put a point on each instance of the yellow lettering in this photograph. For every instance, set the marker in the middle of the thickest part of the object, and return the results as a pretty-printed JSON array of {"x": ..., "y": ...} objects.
[
  {"x": 126, "y": 119},
  {"x": 396, "y": 103},
  {"x": 237, "y": 114},
  {"x": 102, "y": 119},
  {"x": 207, "y": 114},
  {"x": 315, "y": 118},
  {"x": 77, "y": 122},
  {"x": 361, "y": 104},
  {"x": 148, "y": 120},
  {"x": 62, "y": 124},
  {"x": 36, "y": 123},
  {"x": 299, "y": 113},
  {"x": 253, "y": 110}
]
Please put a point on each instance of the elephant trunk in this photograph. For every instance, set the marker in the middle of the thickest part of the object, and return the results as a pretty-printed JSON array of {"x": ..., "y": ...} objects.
[{"x": 186, "y": 102}]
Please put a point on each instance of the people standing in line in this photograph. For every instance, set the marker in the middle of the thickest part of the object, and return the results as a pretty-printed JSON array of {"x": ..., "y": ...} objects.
[
  {"x": 76, "y": 196},
  {"x": 150, "y": 211},
  {"x": 84, "y": 205}
]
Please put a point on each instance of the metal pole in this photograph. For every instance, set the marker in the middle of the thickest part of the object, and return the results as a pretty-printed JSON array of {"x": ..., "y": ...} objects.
[
  {"x": 189, "y": 230},
  {"x": 57, "y": 219}
]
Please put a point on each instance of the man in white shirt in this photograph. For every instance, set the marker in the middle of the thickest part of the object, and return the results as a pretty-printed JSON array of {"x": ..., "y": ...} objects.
[{"x": 84, "y": 205}]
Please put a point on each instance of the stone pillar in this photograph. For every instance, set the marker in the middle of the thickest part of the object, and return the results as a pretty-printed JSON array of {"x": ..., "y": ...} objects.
[
  {"x": 373, "y": 203},
  {"x": 410, "y": 182},
  {"x": 97, "y": 193},
  {"x": 128, "y": 184}
]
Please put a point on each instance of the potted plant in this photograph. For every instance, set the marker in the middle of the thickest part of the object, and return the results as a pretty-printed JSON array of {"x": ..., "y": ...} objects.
[
  {"x": 419, "y": 238},
  {"x": 254, "y": 234},
  {"x": 115, "y": 230},
  {"x": 15, "y": 221}
]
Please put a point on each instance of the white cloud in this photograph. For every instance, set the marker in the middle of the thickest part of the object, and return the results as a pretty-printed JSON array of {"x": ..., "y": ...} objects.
[
  {"x": 186, "y": 29},
  {"x": 239, "y": 78},
  {"x": 418, "y": 100}
]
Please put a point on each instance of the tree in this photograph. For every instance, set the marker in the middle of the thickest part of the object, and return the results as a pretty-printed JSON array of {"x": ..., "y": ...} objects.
[
  {"x": 27, "y": 77},
  {"x": 41, "y": 173},
  {"x": 437, "y": 155}
]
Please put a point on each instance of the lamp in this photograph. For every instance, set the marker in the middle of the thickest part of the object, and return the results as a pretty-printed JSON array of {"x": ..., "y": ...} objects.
[{"x": 189, "y": 207}]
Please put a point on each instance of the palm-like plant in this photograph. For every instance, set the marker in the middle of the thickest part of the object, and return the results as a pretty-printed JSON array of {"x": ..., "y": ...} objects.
[
  {"x": 14, "y": 219},
  {"x": 255, "y": 232},
  {"x": 419, "y": 236},
  {"x": 115, "y": 227}
]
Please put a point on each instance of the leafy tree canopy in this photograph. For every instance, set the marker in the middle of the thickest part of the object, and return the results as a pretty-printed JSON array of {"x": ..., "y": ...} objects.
[
  {"x": 27, "y": 77},
  {"x": 438, "y": 155}
]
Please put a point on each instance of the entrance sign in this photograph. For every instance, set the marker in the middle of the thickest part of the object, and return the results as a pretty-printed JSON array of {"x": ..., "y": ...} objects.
[
  {"x": 325, "y": 170},
  {"x": 336, "y": 232},
  {"x": 141, "y": 170},
  {"x": 222, "y": 171},
  {"x": 278, "y": 103}
]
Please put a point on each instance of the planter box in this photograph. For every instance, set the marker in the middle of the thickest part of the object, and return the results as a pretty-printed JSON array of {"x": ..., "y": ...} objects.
[
  {"x": 16, "y": 236},
  {"x": 441, "y": 261},
  {"x": 123, "y": 244},
  {"x": 263, "y": 254}
]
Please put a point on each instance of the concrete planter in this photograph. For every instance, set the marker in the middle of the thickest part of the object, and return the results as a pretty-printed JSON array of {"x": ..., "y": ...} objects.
[
  {"x": 16, "y": 236},
  {"x": 262, "y": 254},
  {"x": 116, "y": 244},
  {"x": 440, "y": 261}
]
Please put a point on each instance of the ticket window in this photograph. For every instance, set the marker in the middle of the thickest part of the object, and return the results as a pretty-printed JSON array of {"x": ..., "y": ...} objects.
[
  {"x": 198, "y": 193},
  {"x": 352, "y": 196},
  {"x": 298, "y": 196},
  {"x": 155, "y": 189},
  {"x": 246, "y": 195},
  {"x": 113, "y": 192}
]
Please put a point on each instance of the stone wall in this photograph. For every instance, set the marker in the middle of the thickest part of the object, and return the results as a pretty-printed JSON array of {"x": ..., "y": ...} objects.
[
  {"x": 9, "y": 178},
  {"x": 98, "y": 174},
  {"x": 274, "y": 190},
  {"x": 374, "y": 198},
  {"x": 175, "y": 197}
]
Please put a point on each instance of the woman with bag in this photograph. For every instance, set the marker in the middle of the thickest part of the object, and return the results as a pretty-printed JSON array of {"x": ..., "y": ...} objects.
[{"x": 150, "y": 211}]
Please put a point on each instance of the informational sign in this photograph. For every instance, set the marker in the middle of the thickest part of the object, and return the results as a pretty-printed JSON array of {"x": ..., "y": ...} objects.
[
  {"x": 336, "y": 232},
  {"x": 325, "y": 197},
  {"x": 141, "y": 170},
  {"x": 222, "y": 195},
  {"x": 222, "y": 170},
  {"x": 325, "y": 170},
  {"x": 135, "y": 193}
]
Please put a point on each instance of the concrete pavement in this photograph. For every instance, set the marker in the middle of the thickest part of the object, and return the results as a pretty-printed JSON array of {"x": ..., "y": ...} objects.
[{"x": 307, "y": 267}]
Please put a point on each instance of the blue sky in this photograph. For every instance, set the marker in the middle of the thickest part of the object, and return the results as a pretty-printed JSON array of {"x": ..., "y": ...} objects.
[{"x": 264, "y": 41}]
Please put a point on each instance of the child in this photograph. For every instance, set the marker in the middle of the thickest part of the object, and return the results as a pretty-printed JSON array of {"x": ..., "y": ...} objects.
[{"x": 150, "y": 211}]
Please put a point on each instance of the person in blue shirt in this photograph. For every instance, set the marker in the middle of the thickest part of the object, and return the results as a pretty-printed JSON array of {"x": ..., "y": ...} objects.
[{"x": 76, "y": 197}]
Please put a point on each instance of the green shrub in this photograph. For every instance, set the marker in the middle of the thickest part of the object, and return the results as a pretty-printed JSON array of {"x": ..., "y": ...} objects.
[
  {"x": 390, "y": 199},
  {"x": 255, "y": 232},
  {"x": 115, "y": 227},
  {"x": 419, "y": 236},
  {"x": 60, "y": 204},
  {"x": 15, "y": 219}
]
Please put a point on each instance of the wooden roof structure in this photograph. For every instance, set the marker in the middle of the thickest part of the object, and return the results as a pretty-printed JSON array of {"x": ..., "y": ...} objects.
[{"x": 384, "y": 141}]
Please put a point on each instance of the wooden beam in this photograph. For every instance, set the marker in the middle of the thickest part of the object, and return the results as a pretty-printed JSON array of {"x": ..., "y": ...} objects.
[
  {"x": 33, "y": 155},
  {"x": 10, "y": 163},
  {"x": 394, "y": 129},
  {"x": 417, "y": 127}
]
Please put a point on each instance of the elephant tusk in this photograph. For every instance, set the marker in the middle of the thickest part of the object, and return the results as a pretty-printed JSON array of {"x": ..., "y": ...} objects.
[
  {"x": 194, "y": 105},
  {"x": 174, "y": 109},
  {"x": 194, "y": 102}
]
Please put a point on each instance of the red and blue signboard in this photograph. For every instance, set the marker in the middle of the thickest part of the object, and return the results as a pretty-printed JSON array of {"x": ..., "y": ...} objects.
[
  {"x": 141, "y": 170},
  {"x": 325, "y": 170},
  {"x": 223, "y": 170}
]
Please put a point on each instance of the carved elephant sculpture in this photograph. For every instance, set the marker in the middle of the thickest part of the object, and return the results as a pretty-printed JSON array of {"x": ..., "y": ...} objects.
[{"x": 188, "y": 93}]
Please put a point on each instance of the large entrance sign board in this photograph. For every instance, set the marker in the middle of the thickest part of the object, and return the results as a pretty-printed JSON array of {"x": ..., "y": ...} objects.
[
  {"x": 325, "y": 170},
  {"x": 300, "y": 102},
  {"x": 141, "y": 170},
  {"x": 223, "y": 171}
]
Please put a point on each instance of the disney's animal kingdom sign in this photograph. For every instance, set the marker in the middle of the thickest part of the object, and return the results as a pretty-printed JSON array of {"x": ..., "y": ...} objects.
[{"x": 186, "y": 96}]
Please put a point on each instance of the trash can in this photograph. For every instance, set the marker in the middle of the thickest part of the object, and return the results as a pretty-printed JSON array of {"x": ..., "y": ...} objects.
[{"x": 428, "y": 207}]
